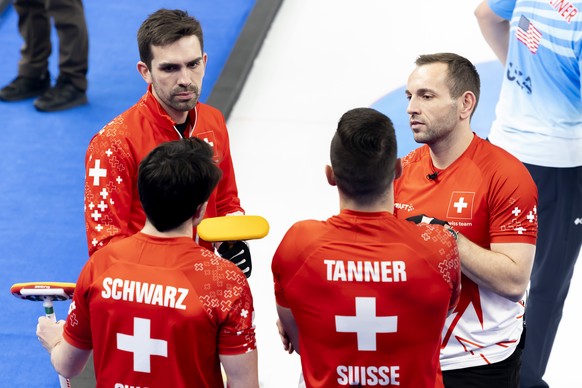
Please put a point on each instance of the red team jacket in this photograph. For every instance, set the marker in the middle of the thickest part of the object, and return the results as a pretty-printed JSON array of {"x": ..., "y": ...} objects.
[
  {"x": 112, "y": 206},
  {"x": 489, "y": 196},
  {"x": 370, "y": 294},
  {"x": 160, "y": 311}
]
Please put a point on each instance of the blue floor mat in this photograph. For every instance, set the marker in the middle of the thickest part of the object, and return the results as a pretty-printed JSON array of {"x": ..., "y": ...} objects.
[{"x": 42, "y": 232}]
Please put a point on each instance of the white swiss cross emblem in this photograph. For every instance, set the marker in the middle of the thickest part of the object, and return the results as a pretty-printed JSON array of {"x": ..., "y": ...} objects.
[
  {"x": 365, "y": 324},
  {"x": 209, "y": 138},
  {"x": 142, "y": 345},
  {"x": 97, "y": 172},
  {"x": 461, "y": 205}
]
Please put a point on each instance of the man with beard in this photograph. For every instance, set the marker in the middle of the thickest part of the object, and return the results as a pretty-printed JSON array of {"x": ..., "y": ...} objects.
[
  {"x": 172, "y": 62},
  {"x": 488, "y": 197}
]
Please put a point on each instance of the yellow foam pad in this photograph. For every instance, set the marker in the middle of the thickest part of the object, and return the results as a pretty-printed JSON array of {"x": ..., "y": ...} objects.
[{"x": 233, "y": 228}]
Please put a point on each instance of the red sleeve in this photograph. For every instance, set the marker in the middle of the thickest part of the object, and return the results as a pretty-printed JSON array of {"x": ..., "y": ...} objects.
[
  {"x": 77, "y": 329},
  {"x": 284, "y": 254},
  {"x": 227, "y": 200},
  {"x": 110, "y": 172},
  {"x": 211, "y": 127},
  {"x": 237, "y": 332},
  {"x": 448, "y": 264},
  {"x": 279, "y": 289},
  {"x": 513, "y": 200},
  {"x": 287, "y": 259}
]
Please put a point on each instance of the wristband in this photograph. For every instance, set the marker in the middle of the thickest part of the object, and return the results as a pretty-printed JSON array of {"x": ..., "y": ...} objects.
[{"x": 453, "y": 233}]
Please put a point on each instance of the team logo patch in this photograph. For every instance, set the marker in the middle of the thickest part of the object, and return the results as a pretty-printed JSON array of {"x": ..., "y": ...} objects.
[
  {"x": 209, "y": 138},
  {"x": 461, "y": 205}
]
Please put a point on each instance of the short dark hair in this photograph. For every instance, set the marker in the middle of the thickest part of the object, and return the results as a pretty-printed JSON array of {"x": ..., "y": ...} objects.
[
  {"x": 174, "y": 179},
  {"x": 363, "y": 154},
  {"x": 462, "y": 75},
  {"x": 165, "y": 27}
]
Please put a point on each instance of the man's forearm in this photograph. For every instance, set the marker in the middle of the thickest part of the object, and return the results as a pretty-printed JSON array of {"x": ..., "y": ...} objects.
[
  {"x": 69, "y": 361},
  {"x": 505, "y": 269},
  {"x": 241, "y": 370}
]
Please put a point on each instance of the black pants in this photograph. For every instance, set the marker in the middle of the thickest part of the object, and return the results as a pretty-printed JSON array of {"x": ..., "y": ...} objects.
[
  {"x": 34, "y": 24},
  {"x": 557, "y": 248},
  {"x": 502, "y": 374}
]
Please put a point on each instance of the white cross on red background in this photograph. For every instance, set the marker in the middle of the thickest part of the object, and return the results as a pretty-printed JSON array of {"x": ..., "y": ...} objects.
[
  {"x": 142, "y": 345},
  {"x": 365, "y": 323},
  {"x": 461, "y": 204},
  {"x": 97, "y": 172}
]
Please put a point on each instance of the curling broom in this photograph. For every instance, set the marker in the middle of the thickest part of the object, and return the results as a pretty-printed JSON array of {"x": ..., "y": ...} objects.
[{"x": 47, "y": 293}]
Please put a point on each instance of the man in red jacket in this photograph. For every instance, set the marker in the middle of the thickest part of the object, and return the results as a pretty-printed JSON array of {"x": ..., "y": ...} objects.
[{"x": 172, "y": 62}]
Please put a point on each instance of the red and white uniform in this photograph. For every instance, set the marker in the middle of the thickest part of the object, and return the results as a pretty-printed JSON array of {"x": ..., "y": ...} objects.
[
  {"x": 157, "y": 312},
  {"x": 112, "y": 206},
  {"x": 488, "y": 196},
  {"x": 369, "y": 294}
]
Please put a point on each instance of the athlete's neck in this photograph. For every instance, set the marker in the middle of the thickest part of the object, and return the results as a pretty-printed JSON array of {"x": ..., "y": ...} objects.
[
  {"x": 382, "y": 204},
  {"x": 184, "y": 230},
  {"x": 445, "y": 152}
]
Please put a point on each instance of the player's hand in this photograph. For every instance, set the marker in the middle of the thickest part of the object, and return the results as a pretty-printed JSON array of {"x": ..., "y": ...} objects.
[
  {"x": 49, "y": 333},
  {"x": 287, "y": 345},
  {"x": 239, "y": 253},
  {"x": 424, "y": 219}
]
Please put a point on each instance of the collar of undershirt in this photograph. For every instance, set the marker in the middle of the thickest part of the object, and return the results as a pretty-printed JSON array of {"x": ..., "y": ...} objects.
[{"x": 182, "y": 128}]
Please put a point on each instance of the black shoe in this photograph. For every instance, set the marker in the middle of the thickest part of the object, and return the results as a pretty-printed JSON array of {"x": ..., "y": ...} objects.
[
  {"x": 22, "y": 88},
  {"x": 64, "y": 95}
]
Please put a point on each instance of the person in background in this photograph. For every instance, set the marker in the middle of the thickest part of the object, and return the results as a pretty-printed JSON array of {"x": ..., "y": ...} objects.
[
  {"x": 363, "y": 296},
  {"x": 488, "y": 197},
  {"x": 172, "y": 62},
  {"x": 33, "y": 80},
  {"x": 539, "y": 120},
  {"x": 157, "y": 309}
]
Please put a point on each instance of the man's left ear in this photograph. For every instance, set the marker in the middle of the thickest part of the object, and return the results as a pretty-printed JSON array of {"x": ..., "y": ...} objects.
[
  {"x": 469, "y": 101},
  {"x": 330, "y": 175}
]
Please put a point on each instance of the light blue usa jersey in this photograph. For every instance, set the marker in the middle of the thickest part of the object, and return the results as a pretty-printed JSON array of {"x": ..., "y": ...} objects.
[{"x": 539, "y": 112}]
